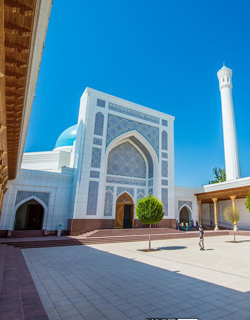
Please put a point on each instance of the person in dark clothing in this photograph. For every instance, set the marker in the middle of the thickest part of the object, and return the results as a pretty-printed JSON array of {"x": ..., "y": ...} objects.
[{"x": 201, "y": 242}]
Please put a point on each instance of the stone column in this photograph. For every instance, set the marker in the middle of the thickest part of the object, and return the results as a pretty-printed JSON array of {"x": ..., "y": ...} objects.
[
  {"x": 200, "y": 219},
  {"x": 216, "y": 228},
  {"x": 234, "y": 209}
]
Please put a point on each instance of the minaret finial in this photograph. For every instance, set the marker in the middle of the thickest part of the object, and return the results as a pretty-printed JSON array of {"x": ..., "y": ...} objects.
[{"x": 223, "y": 63}]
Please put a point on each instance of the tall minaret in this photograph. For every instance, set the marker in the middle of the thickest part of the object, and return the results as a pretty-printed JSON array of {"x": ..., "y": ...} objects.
[{"x": 229, "y": 129}]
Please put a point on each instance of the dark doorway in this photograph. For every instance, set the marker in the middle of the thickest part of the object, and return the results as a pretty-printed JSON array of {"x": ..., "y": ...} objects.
[
  {"x": 35, "y": 217},
  {"x": 29, "y": 216},
  {"x": 127, "y": 216},
  {"x": 184, "y": 215}
]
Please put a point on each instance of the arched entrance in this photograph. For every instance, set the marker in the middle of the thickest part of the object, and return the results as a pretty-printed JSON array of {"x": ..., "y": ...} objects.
[
  {"x": 29, "y": 216},
  {"x": 185, "y": 215},
  {"x": 124, "y": 217}
]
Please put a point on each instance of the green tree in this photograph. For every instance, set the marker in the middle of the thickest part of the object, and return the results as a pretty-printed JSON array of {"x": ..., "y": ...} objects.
[
  {"x": 149, "y": 210},
  {"x": 247, "y": 202},
  {"x": 219, "y": 175},
  {"x": 232, "y": 215}
]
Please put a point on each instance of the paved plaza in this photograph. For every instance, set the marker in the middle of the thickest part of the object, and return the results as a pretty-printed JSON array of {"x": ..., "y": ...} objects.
[{"x": 118, "y": 282}]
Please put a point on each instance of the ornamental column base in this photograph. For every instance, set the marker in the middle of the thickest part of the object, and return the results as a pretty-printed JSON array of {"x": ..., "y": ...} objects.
[{"x": 216, "y": 228}]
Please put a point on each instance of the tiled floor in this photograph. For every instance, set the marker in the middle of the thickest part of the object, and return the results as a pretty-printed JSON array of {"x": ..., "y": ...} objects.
[{"x": 116, "y": 281}]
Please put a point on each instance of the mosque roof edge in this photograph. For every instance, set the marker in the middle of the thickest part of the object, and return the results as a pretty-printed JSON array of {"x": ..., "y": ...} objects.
[{"x": 122, "y": 101}]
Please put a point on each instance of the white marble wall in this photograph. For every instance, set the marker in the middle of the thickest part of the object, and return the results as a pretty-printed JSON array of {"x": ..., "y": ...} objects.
[{"x": 59, "y": 187}]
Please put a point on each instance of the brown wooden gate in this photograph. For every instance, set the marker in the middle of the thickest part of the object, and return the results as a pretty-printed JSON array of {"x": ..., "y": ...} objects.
[{"x": 123, "y": 199}]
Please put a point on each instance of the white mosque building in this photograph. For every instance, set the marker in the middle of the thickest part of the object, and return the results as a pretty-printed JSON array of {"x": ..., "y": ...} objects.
[{"x": 117, "y": 153}]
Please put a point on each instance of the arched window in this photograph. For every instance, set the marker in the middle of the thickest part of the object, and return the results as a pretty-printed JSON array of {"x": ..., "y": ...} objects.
[
  {"x": 99, "y": 123},
  {"x": 164, "y": 140}
]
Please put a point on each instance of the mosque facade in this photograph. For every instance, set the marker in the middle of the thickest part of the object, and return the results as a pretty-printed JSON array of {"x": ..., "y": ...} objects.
[{"x": 117, "y": 153}]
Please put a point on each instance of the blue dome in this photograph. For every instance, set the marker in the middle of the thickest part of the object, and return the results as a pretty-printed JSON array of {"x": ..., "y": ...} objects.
[{"x": 67, "y": 138}]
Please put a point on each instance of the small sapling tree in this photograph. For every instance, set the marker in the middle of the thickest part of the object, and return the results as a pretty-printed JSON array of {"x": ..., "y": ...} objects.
[
  {"x": 247, "y": 202},
  {"x": 149, "y": 210},
  {"x": 233, "y": 216}
]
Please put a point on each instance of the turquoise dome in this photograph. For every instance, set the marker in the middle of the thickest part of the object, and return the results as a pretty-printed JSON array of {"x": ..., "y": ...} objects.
[{"x": 67, "y": 138}]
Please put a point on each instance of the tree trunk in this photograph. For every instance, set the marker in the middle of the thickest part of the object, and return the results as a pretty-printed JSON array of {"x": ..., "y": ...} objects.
[{"x": 150, "y": 237}]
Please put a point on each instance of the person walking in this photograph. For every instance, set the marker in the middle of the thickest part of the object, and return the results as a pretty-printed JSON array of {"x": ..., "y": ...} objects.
[
  {"x": 186, "y": 226},
  {"x": 201, "y": 242},
  {"x": 177, "y": 225}
]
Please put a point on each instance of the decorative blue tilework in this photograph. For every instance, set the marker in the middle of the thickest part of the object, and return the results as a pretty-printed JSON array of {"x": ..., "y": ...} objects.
[
  {"x": 97, "y": 141},
  {"x": 99, "y": 123},
  {"x": 133, "y": 113},
  {"x": 100, "y": 103},
  {"x": 120, "y": 190},
  {"x": 96, "y": 157},
  {"x": 164, "y": 140},
  {"x": 140, "y": 196},
  {"x": 188, "y": 203},
  {"x": 164, "y": 122},
  {"x": 126, "y": 160},
  {"x": 164, "y": 169},
  {"x": 22, "y": 195},
  {"x": 150, "y": 191},
  {"x": 164, "y": 197},
  {"x": 150, "y": 182},
  {"x": 109, "y": 188},
  {"x": 133, "y": 182},
  {"x": 164, "y": 182},
  {"x": 147, "y": 155},
  {"x": 117, "y": 126},
  {"x": 108, "y": 206},
  {"x": 141, "y": 191},
  {"x": 94, "y": 174},
  {"x": 92, "y": 198},
  {"x": 164, "y": 155}
]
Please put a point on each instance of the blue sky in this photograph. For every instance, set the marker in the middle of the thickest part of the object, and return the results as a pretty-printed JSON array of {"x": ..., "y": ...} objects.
[{"x": 161, "y": 54}]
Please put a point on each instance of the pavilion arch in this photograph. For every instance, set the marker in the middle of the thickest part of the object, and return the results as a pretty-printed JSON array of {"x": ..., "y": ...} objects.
[
  {"x": 185, "y": 213},
  {"x": 41, "y": 213}
]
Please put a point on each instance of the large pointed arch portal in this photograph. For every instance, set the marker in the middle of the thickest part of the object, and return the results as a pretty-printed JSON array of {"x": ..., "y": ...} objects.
[
  {"x": 124, "y": 216},
  {"x": 29, "y": 216}
]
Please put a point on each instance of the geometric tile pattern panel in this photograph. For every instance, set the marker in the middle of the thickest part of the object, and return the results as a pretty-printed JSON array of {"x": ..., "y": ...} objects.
[
  {"x": 140, "y": 196},
  {"x": 96, "y": 157},
  {"x": 141, "y": 191},
  {"x": 164, "y": 197},
  {"x": 132, "y": 182},
  {"x": 109, "y": 188},
  {"x": 164, "y": 122},
  {"x": 164, "y": 169},
  {"x": 126, "y": 160},
  {"x": 108, "y": 204},
  {"x": 100, "y": 103},
  {"x": 164, "y": 140},
  {"x": 97, "y": 141},
  {"x": 164, "y": 155},
  {"x": 92, "y": 198},
  {"x": 164, "y": 182},
  {"x": 22, "y": 195},
  {"x": 146, "y": 153},
  {"x": 99, "y": 123},
  {"x": 125, "y": 189},
  {"x": 150, "y": 182},
  {"x": 133, "y": 113},
  {"x": 94, "y": 174},
  {"x": 188, "y": 203},
  {"x": 118, "y": 126}
]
